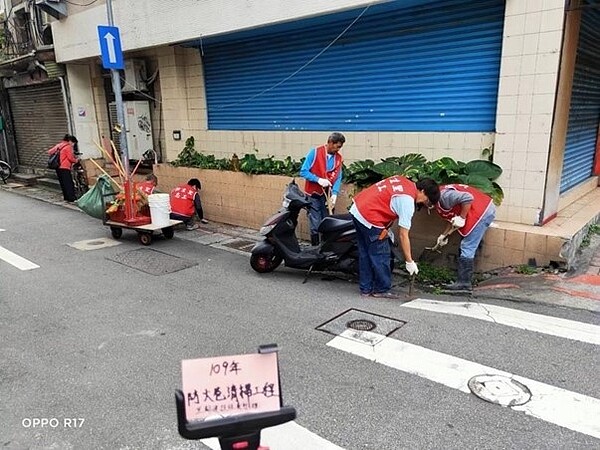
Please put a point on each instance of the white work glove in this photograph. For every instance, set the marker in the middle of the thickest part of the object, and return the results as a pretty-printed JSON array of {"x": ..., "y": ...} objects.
[
  {"x": 332, "y": 199},
  {"x": 323, "y": 182},
  {"x": 411, "y": 267},
  {"x": 442, "y": 240},
  {"x": 457, "y": 222}
]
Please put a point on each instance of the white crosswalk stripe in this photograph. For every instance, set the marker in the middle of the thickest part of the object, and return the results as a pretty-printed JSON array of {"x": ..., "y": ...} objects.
[
  {"x": 15, "y": 260},
  {"x": 568, "y": 409},
  {"x": 568, "y": 329}
]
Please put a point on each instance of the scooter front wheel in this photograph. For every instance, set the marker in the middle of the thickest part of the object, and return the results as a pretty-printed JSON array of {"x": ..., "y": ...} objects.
[{"x": 265, "y": 262}]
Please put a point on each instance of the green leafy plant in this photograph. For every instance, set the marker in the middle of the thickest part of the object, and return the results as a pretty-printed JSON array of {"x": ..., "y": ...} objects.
[
  {"x": 488, "y": 153},
  {"x": 269, "y": 165},
  {"x": 249, "y": 163},
  {"x": 525, "y": 269},
  {"x": 478, "y": 173},
  {"x": 189, "y": 157},
  {"x": 429, "y": 273},
  {"x": 587, "y": 239}
]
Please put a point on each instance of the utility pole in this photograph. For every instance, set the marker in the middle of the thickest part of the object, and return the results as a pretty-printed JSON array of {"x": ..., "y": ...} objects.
[{"x": 116, "y": 85}]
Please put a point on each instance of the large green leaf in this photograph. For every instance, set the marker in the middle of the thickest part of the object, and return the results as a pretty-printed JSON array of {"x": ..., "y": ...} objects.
[
  {"x": 483, "y": 168},
  {"x": 412, "y": 159},
  {"x": 387, "y": 169},
  {"x": 480, "y": 182},
  {"x": 498, "y": 194}
]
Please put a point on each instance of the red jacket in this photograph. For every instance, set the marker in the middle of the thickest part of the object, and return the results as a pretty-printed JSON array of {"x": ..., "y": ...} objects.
[
  {"x": 373, "y": 203},
  {"x": 182, "y": 200},
  {"x": 481, "y": 202},
  {"x": 319, "y": 168},
  {"x": 147, "y": 187},
  {"x": 67, "y": 158}
]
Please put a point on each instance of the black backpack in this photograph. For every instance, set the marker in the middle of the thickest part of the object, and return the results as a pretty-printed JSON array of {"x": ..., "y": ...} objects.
[{"x": 54, "y": 159}]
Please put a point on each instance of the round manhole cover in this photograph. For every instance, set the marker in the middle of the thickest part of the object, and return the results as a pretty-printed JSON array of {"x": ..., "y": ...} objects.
[
  {"x": 499, "y": 389},
  {"x": 361, "y": 325},
  {"x": 96, "y": 243}
]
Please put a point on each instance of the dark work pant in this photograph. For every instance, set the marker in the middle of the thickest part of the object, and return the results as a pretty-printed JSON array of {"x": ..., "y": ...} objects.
[
  {"x": 316, "y": 213},
  {"x": 374, "y": 270},
  {"x": 187, "y": 219},
  {"x": 66, "y": 184}
]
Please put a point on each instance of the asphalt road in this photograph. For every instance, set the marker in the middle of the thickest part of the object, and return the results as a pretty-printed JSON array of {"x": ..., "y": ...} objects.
[{"x": 87, "y": 338}]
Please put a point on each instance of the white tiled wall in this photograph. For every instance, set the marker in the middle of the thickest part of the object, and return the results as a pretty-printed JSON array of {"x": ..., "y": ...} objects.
[{"x": 528, "y": 78}]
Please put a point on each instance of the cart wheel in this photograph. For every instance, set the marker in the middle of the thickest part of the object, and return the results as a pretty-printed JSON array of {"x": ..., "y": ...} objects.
[
  {"x": 145, "y": 238},
  {"x": 168, "y": 232},
  {"x": 116, "y": 232}
]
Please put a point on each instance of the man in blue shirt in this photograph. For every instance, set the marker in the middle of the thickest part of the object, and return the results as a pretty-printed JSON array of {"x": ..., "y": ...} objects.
[{"x": 322, "y": 170}]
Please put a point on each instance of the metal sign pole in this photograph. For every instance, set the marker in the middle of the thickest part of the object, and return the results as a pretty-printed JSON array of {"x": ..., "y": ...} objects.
[{"x": 116, "y": 85}]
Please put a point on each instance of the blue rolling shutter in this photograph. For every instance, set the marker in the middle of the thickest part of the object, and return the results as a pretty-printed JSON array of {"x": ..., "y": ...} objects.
[
  {"x": 584, "y": 114},
  {"x": 431, "y": 67}
]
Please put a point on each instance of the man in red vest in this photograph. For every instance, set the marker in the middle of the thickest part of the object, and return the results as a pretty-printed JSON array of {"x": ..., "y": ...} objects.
[
  {"x": 374, "y": 210},
  {"x": 322, "y": 170},
  {"x": 185, "y": 202},
  {"x": 471, "y": 212}
]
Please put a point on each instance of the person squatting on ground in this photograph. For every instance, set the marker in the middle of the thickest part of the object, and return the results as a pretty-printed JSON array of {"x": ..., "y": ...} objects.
[
  {"x": 322, "y": 170},
  {"x": 67, "y": 159},
  {"x": 373, "y": 211},
  {"x": 148, "y": 186},
  {"x": 185, "y": 202},
  {"x": 471, "y": 212}
]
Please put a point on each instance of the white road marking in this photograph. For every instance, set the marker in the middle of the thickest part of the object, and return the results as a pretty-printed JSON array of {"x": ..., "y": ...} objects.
[
  {"x": 555, "y": 405},
  {"x": 568, "y": 329},
  {"x": 16, "y": 260},
  {"x": 290, "y": 436},
  {"x": 2, "y": 229}
]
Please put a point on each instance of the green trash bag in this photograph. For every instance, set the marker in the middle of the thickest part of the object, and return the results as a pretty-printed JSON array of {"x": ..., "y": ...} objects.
[{"x": 93, "y": 202}]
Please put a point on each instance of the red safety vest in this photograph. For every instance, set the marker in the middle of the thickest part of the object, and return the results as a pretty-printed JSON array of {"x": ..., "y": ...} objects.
[
  {"x": 319, "y": 168},
  {"x": 373, "y": 203},
  {"x": 182, "y": 200},
  {"x": 147, "y": 187},
  {"x": 481, "y": 202}
]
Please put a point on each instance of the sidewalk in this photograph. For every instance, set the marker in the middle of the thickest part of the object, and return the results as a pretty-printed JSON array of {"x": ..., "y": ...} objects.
[{"x": 578, "y": 289}]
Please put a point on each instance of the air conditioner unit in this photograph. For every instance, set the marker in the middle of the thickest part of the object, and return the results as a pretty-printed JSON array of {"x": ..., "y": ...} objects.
[
  {"x": 134, "y": 77},
  {"x": 138, "y": 128}
]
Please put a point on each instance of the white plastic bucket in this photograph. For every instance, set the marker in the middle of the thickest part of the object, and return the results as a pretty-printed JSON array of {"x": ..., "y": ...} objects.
[{"x": 160, "y": 209}]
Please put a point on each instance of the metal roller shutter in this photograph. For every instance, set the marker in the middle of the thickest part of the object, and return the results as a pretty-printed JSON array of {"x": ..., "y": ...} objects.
[
  {"x": 431, "y": 67},
  {"x": 40, "y": 121},
  {"x": 584, "y": 114}
]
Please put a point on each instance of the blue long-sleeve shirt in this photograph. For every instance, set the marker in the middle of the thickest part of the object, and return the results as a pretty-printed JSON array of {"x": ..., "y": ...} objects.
[{"x": 308, "y": 175}]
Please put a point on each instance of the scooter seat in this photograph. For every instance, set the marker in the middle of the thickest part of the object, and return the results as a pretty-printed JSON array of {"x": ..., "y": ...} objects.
[{"x": 337, "y": 222}]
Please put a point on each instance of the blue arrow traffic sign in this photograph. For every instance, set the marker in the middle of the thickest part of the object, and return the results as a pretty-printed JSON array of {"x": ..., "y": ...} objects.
[{"x": 110, "y": 47}]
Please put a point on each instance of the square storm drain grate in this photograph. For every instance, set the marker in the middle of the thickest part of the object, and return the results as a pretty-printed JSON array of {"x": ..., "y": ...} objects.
[
  {"x": 152, "y": 261},
  {"x": 355, "y": 319},
  {"x": 240, "y": 244}
]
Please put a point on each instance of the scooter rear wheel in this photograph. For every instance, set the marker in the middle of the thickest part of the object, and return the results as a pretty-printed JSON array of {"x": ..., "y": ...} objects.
[{"x": 265, "y": 262}]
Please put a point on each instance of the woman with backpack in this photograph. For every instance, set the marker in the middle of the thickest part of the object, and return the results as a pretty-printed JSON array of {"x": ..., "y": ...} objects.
[{"x": 66, "y": 159}]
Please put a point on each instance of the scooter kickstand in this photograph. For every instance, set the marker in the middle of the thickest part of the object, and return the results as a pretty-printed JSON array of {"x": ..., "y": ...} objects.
[{"x": 307, "y": 274}]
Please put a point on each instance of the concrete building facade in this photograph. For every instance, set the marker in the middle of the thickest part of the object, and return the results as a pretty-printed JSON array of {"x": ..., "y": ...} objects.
[{"x": 538, "y": 57}]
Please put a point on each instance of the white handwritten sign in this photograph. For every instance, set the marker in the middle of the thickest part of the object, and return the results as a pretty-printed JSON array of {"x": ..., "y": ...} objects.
[{"x": 229, "y": 385}]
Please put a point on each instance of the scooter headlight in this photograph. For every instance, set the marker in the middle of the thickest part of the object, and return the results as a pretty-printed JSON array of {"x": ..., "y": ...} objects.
[{"x": 266, "y": 229}]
